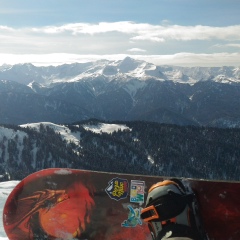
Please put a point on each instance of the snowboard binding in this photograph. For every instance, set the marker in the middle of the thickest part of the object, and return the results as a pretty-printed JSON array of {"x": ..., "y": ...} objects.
[{"x": 172, "y": 211}]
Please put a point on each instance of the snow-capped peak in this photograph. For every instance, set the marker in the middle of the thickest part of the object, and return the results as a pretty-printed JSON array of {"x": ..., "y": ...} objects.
[
  {"x": 128, "y": 64},
  {"x": 125, "y": 69}
]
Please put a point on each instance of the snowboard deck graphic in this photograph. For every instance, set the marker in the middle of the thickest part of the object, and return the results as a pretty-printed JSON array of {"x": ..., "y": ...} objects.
[{"x": 81, "y": 204}]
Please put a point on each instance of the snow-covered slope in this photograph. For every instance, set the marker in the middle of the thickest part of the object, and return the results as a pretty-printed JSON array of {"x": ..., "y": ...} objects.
[
  {"x": 105, "y": 128},
  {"x": 71, "y": 136},
  {"x": 5, "y": 190},
  {"x": 7, "y": 134},
  {"x": 10, "y": 133},
  {"x": 64, "y": 131}
]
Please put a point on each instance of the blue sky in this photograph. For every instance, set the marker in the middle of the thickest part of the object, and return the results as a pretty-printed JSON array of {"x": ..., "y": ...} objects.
[{"x": 179, "y": 32}]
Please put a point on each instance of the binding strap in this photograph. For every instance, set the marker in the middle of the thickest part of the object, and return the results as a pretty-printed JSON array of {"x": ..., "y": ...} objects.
[{"x": 166, "y": 207}]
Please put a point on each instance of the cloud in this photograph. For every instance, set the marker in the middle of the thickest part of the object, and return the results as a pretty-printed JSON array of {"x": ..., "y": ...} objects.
[
  {"x": 180, "y": 59},
  {"x": 193, "y": 59},
  {"x": 159, "y": 33},
  {"x": 135, "y": 50},
  {"x": 144, "y": 31},
  {"x": 234, "y": 45},
  {"x": 6, "y": 29},
  {"x": 87, "y": 28},
  {"x": 149, "y": 37},
  {"x": 168, "y": 44},
  {"x": 237, "y": 45}
]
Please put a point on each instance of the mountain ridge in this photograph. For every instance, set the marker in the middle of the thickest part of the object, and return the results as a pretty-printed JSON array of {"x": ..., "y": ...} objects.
[
  {"x": 130, "y": 147},
  {"x": 126, "y": 90},
  {"x": 127, "y": 68}
]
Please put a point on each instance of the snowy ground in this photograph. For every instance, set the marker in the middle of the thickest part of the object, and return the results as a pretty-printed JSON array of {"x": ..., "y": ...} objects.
[
  {"x": 5, "y": 189},
  {"x": 69, "y": 136},
  {"x": 106, "y": 128}
]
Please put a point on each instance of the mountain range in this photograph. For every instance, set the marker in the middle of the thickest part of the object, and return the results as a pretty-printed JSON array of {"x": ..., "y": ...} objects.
[{"x": 123, "y": 90}]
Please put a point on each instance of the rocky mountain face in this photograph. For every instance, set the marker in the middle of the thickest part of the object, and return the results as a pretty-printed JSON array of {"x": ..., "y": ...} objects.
[{"x": 120, "y": 90}]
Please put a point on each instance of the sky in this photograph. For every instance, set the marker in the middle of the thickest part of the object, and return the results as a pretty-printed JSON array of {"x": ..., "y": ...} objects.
[{"x": 164, "y": 32}]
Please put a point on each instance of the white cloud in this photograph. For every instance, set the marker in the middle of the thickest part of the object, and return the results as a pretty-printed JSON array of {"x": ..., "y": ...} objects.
[
  {"x": 141, "y": 31},
  {"x": 134, "y": 50},
  {"x": 193, "y": 59},
  {"x": 101, "y": 27},
  {"x": 234, "y": 45},
  {"x": 149, "y": 37},
  {"x": 180, "y": 59},
  {"x": 54, "y": 58},
  {"x": 5, "y": 29},
  {"x": 110, "y": 39},
  {"x": 237, "y": 45}
]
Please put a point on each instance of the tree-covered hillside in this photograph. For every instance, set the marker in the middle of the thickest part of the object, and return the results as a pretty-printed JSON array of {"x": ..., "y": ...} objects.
[{"x": 141, "y": 148}]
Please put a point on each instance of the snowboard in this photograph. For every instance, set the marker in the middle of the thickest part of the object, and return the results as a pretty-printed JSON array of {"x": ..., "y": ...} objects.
[{"x": 79, "y": 204}]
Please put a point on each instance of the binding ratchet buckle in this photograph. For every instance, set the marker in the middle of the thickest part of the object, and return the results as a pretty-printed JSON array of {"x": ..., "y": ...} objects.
[{"x": 149, "y": 213}]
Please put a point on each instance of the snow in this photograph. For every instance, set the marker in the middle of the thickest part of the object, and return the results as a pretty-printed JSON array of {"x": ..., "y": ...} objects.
[
  {"x": 106, "y": 128},
  {"x": 10, "y": 133},
  {"x": 5, "y": 190},
  {"x": 64, "y": 131},
  {"x": 133, "y": 86},
  {"x": 150, "y": 159},
  {"x": 75, "y": 137},
  {"x": 128, "y": 64},
  {"x": 127, "y": 69}
]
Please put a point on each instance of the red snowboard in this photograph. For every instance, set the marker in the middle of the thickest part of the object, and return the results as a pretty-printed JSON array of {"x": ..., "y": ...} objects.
[{"x": 77, "y": 204}]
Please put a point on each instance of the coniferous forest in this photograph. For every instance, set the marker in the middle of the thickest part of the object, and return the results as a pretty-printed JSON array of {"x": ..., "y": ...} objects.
[{"x": 144, "y": 148}]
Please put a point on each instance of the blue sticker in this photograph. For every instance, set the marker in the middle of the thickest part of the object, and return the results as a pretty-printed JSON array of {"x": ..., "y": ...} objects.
[
  {"x": 117, "y": 189},
  {"x": 133, "y": 217}
]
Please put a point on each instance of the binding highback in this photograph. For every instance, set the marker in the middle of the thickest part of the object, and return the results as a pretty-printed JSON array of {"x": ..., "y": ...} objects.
[{"x": 170, "y": 202}]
